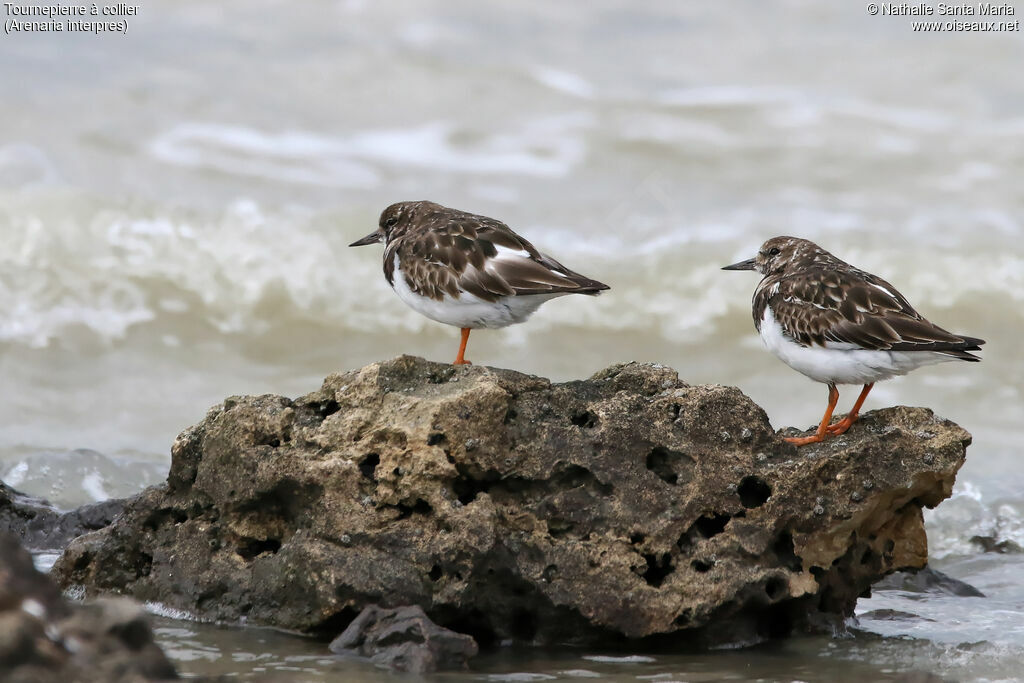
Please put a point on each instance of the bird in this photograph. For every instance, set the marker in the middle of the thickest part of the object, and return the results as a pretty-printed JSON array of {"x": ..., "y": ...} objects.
[
  {"x": 467, "y": 270},
  {"x": 838, "y": 324}
]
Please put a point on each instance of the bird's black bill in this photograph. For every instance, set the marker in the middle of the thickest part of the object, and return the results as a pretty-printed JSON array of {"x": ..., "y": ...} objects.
[
  {"x": 742, "y": 265},
  {"x": 372, "y": 238}
]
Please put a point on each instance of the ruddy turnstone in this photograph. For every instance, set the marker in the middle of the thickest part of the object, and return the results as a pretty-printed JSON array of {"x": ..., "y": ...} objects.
[
  {"x": 840, "y": 325},
  {"x": 467, "y": 270}
]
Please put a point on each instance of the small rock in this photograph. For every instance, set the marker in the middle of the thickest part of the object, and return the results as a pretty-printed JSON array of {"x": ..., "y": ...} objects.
[
  {"x": 928, "y": 580},
  {"x": 45, "y": 639},
  {"x": 40, "y": 526},
  {"x": 404, "y": 639},
  {"x": 990, "y": 544}
]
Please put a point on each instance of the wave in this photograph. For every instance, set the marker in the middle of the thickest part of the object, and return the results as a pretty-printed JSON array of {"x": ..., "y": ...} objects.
[
  {"x": 547, "y": 147},
  {"x": 248, "y": 270}
]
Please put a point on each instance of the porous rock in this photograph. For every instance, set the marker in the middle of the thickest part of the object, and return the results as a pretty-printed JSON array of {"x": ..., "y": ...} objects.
[
  {"x": 627, "y": 505},
  {"x": 404, "y": 639},
  {"x": 44, "y": 639}
]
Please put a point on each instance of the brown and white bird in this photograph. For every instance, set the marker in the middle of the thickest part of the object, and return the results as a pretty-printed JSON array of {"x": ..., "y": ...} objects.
[
  {"x": 466, "y": 270},
  {"x": 840, "y": 325}
]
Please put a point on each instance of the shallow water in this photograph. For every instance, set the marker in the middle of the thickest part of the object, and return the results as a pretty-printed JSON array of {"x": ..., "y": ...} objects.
[{"x": 175, "y": 205}]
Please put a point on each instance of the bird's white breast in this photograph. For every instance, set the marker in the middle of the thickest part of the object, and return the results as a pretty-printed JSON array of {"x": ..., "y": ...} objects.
[
  {"x": 841, "y": 363},
  {"x": 468, "y": 310}
]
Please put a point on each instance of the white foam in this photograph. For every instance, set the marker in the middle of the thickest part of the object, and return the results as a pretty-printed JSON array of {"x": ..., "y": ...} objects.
[
  {"x": 563, "y": 81},
  {"x": 162, "y": 610},
  {"x": 625, "y": 659},
  {"x": 546, "y": 147}
]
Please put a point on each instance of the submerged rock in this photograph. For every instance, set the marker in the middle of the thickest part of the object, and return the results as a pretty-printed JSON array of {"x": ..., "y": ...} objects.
[
  {"x": 41, "y": 526},
  {"x": 404, "y": 639},
  {"x": 928, "y": 580},
  {"x": 45, "y": 639},
  {"x": 626, "y": 505}
]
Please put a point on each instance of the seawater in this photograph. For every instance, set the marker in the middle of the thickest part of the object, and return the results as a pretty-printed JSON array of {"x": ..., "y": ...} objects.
[{"x": 175, "y": 204}]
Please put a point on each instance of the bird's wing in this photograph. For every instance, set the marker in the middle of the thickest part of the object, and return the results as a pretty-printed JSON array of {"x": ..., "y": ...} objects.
[
  {"x": 838, "y": 308},
  {"x": 483, "y": 257}
]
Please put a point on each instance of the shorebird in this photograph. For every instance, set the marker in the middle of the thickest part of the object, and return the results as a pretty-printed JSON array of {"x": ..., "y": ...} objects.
[
  {"x": 838, "y": 324},
  {"x": 466, "y": 270}
]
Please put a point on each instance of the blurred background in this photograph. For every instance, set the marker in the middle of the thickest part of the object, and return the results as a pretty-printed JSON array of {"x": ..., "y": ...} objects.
[{"x": 175, "y": 205}]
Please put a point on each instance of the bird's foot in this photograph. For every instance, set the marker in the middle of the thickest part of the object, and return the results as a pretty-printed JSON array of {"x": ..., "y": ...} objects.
[
  {"x": 461, "y": 361},
  {"x": 840, "y": 427},
  {"x": 804, "y": 440}
]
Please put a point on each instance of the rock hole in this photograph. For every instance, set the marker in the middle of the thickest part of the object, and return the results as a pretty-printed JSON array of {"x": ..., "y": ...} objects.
[
  {"x": 584, "y": 419},
  {"x": 711, "y": 526},
  {"x": 420, "y": 507},
  {"x": 325, "y": 408},
  {"x": 672, "y": 467},
  {"x": 397, "y": 472},
  {"x": 775, "y": 622},
  {"x": 523, "y": 626},
  {"x": 466, "y": 487},
  {"x": 867, "y": 557},
  {"x": 636, "y": 538},
  {"x": 683, "y": 618},
  {"x": 510, "y": 416},
  {"x": 775, "y": 588},
  {"x": 162, "y": 516},
  {"x": 436, "y": 439},
  {"x": 658, "y": 567},
  {"x": 253, "y": 547},
  {"x": 435, "y": 573},
  {"x": 368, "y": 466},
  {"x": 785, "y": 552},
  {"x": 473, "y": 623},
  {"x": 575, "y": 476},
  {"x": 753, "y": 491},
  {"x": 549, "y": 573},
  {"x": 890, "y": 545},
  {"x": 330, "y": 627},
  {"x": 558, "y": 527},
  {"x": 82, "y": 562},
  {"x": 701, "y": 567},
  {"x": 143, "y": 565}
]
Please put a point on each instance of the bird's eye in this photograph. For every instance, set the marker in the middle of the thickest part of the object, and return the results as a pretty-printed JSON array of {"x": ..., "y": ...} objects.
[
  {"x": 390, "y": 223},
  {"x": 774, "y": 251}
]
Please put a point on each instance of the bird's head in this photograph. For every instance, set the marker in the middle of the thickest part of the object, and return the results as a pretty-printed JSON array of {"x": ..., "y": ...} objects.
[
  {"x": 780, "y": 255},
  {"x": 394, "y": 221}
]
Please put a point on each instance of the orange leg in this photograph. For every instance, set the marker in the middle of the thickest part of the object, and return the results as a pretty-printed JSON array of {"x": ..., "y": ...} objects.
[
  {"x": 833, "y": 398},
  {"x": 459, "y": 360},
  {"x": 844, "y": 424}
]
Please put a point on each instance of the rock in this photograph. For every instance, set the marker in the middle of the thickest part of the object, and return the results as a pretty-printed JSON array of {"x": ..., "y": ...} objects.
[
  {"x": 45, "y": 639},
  {"x": 40, "y": 526},
  {"x": 991, "y": 544},
  {"x": 893, "y": 615},
  {"x": 404, "y": 639},
  {"x": 928, "y": 580},
  {"x": 507, "y": 507}
]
